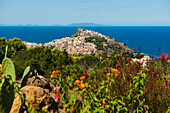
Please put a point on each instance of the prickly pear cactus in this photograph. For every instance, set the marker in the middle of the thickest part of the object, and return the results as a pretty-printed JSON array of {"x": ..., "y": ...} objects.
[
  {"x": 25, "y": 76},
  {"x": 6, "y": 94},
  {"x": 10, "y": 69}
]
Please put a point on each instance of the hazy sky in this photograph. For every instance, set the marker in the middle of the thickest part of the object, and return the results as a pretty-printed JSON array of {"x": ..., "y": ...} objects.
[{"x": 64, "y": 12}]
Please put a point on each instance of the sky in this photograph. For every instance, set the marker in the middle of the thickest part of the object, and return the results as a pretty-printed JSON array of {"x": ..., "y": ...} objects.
[{"x": 105, "y": 12}]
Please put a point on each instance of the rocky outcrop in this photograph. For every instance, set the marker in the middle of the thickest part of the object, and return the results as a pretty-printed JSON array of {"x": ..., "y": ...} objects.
[{"x": 37, "y": 95}]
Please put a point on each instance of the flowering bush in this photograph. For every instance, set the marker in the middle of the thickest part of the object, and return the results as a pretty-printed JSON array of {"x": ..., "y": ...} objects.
[{"x": 115, "y": 84}]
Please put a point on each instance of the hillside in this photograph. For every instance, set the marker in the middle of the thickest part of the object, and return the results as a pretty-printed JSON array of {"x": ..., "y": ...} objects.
[{"x": 85, "y": 42}]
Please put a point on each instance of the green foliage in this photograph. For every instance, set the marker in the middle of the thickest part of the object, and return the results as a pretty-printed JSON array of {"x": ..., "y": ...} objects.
[
  {"x": 44, "y": 60},
  {"x": 15, "y": 46},
  {"x": 25, "y": 76},
  {"x": 8, "y": 84},
  {"x": 10, "y": 69},
  {"x": 97, "y": 41},
  {"x": 6, "y": 93}
]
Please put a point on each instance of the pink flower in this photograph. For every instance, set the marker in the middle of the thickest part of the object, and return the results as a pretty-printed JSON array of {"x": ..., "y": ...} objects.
[
  {"x": 109, "y": 56},
  {"x": 56, "y": 86},
  {"x": 157, "y": 75},
  {"x": 103, "y": 51},
  {"x": 95, "y": 76},
  {"x": 116, "y": 64},
  {"x": 2, "y": 75},
  {"x": 141, "y": 54},
  {"x": 32, "y": 102},
  {"x": 58, "y": 95},
  {"x": 129, "y": 71},
  {"x": 88, "y": 79},
  {"x": 168, "y": 91},
  {"x": 163, "y": 55},
  {"x": 166, "y": 75},
  {"x": 90, "y": 75},
  {"x": 167, "y": 57},
  {"x": 119, "y": 54},
  {"x": 85, "y": 73},
  {"x": 142, "y": 62}
]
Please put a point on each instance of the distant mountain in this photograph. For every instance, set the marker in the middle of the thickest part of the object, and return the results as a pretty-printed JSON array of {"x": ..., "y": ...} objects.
[
  {"x": 85, "y": 24},
  {"x": 56, "y": 25},
  {"x": 3, "y": 24}
]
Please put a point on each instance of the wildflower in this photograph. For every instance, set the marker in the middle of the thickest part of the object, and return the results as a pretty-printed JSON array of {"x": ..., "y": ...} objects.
[
  {"x": 146, "y": 69},
  {"x": 52, "y": 76},
  {"x": 88, "y": 79},
  {"x": 56, "y": 86},
  {"x": 66, "y": 105},
  {"x": 167, "y": 57},
  {"x": 119, "y": 54},
  {"x": 163, "y": 55},
  {"x": 114, "y": 70},
  {"x": 58, "y": 95},
  {"x": 109, "y": 56},
  {"x": 54, "y": 90},
  {"x": 139, "y": 73},
  {"x": 82, "y": 78},
  {"x": 32, "y": 102},
  {"x": 82, "y": 86},
  {"x": 103, "y": 103},
  {"x": 129, "y": 71},
  {"x": 106, "y": 106},
  {"x": 71, "y": 107},
  {"x": 53, "y": 72},
  {"x": 90, "y": 75},
  {"x": 103, "y": 51},
  {"x": 2, "y": 75},
  {"x": 85, "y": 73},
  {"x": 77, "y": 82},
  {"x": 84, "y": 94},
  {"x": 110, "y": 68},
  {"x": 116, "y": 74},
  {"x": 89, "y": 85},
  {"x": 73, "y": 88},
  {"x": 57, "y": 72},
  {"x": 4, "y": 68},
  {"x": 116, "y": 64},
  {"x": 0, "y": 67}
]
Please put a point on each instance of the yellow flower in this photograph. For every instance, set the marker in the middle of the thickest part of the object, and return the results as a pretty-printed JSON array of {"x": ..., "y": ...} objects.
[
  {"x": 146, "y": 69},
  {"x": 66, "y": 105},
  {"x": 114, "y": 70},
  {"x": 52, "y": 76}
]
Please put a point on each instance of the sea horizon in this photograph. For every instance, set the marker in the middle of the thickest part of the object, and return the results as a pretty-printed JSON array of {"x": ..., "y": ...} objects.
[{"x": 151, "y": 40}]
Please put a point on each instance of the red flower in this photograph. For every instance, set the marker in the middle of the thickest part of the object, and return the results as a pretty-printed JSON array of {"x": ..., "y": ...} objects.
[{"x": 163, "y": 55}]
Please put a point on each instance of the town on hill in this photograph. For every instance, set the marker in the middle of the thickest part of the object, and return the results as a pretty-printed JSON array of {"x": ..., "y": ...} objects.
[{"x": 85, "y": 42}]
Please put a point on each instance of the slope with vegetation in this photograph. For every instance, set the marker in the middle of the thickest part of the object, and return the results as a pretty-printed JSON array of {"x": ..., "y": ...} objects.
[{"x": 107, "y": 82}]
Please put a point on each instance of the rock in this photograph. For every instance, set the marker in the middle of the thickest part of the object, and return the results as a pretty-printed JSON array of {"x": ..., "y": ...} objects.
[
  {"x": 39, "y": 81},
  {"x": 39, "y": 96}
]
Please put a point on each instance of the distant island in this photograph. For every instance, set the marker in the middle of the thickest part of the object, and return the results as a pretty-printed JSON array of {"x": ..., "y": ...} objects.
[{"x": 85, "y": 24}]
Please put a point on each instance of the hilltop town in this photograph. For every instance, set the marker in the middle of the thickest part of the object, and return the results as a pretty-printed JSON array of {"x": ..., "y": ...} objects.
[{"x": 77, "y": 44}]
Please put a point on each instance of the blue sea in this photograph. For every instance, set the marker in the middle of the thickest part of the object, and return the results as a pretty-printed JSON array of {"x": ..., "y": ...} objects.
[{"x": 151, "y": 40}]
